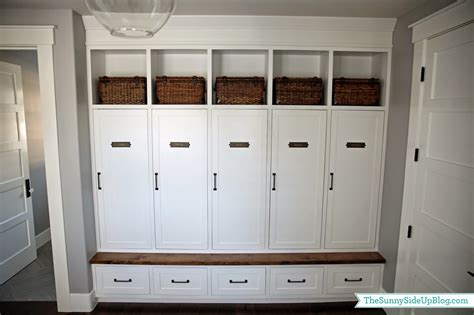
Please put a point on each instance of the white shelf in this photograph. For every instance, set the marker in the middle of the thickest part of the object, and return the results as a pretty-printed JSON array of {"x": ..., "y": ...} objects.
[
  {"x": 177, "y": 62},
  {"x": 116, "y": 63},
  {"x": 239, "y": 63},
  {"x": 362, "y": 65},
  {"x": 302, "y": 64}
]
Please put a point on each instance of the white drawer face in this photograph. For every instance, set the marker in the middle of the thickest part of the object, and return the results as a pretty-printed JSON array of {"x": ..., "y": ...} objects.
[
  {"x": 122, "y": 280},
  {"x": 306, "y": 281},
  {"x": 180, "y": 281},
  {"x": 238, "y": 281},
  {"x": 352, "y": 279}
]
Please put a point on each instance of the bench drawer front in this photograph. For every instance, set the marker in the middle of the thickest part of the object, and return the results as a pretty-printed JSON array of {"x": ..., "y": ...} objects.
[
  {"x": 122, "y": 280},
  {"x": 306, "y": 281},
  {"x": 180, "y": 281},
  {"x": 238, "y": 281},
  {"x": 352, "y": 279}
]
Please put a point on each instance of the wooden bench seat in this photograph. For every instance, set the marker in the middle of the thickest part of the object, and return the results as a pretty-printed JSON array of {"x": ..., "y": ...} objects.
[{"x": 238, "y": 259}]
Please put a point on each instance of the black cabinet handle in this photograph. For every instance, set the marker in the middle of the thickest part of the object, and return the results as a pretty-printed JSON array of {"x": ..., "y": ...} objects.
[
  {"x": 274, "y": 181},
  {"x": 99, "y": 187},
  {"x": 296, "y": 281},
  {"x": 156, "y": 181},
  {"x": 331, "y": 186},
  {"x": 215, "y": 181},
  {"x": 232, "y": 281},
  {"x": 471, "y": 273},
  {"x": 176, "y": 281},
  {"x": 353, "y": 280},
  {"x": 127, "y": 281}
]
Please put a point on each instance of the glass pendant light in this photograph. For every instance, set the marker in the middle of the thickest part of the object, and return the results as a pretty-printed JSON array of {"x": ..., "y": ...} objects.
[{"x": 132, "y": 18}]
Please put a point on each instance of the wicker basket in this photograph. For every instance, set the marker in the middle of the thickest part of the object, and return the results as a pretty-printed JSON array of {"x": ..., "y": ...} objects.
[
  {"x": 356, "y": 92},
  {"x": 240, "y": 90},
  {"x": 180, "y": 90},
  {"x": 298, "y": 91},
  {"x": 122, "y": 90}
]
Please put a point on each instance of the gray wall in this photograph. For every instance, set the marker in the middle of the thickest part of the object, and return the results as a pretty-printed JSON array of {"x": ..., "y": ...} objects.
[
  {"x": 402, "y": 60},
  {"x": 28, "y": 60},
  {"x": 70, "y": 72}
]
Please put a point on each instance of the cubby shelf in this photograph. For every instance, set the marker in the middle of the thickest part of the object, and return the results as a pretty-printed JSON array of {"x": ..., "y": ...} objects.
[{"x": 211, "y": 63}]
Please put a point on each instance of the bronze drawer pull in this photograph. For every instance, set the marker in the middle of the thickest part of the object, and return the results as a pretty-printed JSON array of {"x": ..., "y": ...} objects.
[
  {"x": 126, "y": 281},
  {"x": 239, "y": 144},
  {"x": 298, "y": 145},
  {"x": 175, "y": 144},
  {"x": 121, "y": 144},
  {"x": 232, "y": 281},
  {"x": 353, "y": 280},
  {"x": 296, "y": 281},
  {"x": 355, "y": 145},
  {"x": 176, "y": 281}
]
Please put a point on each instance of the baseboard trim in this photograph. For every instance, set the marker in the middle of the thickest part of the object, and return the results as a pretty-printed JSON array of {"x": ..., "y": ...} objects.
[
  {"x": 83, "y": 302},
  {"x": 43, "y": 238}
]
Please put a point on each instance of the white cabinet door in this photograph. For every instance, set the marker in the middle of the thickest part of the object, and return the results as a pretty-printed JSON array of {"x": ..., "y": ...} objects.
[
  {"x": 123, "y": 179},
  {"x": 239, "y": 147},
  {"x": 298, "y": 151},
  {"x": 354, "y": 179},
  {"x": 180, "y": 170}
]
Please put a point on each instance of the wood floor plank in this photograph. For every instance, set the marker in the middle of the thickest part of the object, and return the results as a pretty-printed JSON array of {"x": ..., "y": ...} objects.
[
  {"x": 49, "y": 308},
  {"x": 238, "y": 259}
]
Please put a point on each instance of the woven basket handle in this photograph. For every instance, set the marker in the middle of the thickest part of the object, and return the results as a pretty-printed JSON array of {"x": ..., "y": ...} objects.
[
  {"x": 106, "y": 79},
  {"x": 255, "y": 80}
]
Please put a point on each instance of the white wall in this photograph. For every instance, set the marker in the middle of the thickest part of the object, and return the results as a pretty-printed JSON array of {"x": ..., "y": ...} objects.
[
  {"x": 402, "y": 60},
  {"x": 28, "y": 60}
]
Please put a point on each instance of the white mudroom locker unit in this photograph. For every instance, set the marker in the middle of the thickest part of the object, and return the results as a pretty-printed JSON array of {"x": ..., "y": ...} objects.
[{"x": 239, "y": 203}]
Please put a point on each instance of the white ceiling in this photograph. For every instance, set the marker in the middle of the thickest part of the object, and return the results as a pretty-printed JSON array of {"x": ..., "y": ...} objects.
[{"x": 352, "y": 8}]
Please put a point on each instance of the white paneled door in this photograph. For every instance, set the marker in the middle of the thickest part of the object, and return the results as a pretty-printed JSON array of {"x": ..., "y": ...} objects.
[
  {"x": 17, "y": 241},
  {"x": 298, "y": 152},
  {"x": 442, "y": 245},
  {"x": 180, "y": 178},
  {"x": 239, "y": 153},
  {"x": 123, "y": 179},
  {"x": 354, "y": 179}
]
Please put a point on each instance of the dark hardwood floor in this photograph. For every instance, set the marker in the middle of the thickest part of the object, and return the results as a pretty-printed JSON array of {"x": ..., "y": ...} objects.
[{"x": 49, "y": 308}]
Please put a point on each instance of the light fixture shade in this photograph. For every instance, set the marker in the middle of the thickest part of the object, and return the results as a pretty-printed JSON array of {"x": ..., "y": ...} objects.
[{"x": 132, "y": 18}]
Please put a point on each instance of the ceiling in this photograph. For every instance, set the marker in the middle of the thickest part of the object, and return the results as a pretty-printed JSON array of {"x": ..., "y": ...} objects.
[{"x": 352, "y": 8}]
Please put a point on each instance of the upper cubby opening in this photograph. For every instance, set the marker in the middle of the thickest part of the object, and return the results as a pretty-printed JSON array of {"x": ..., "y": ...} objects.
[
  {"x": 177, "y": 62},
  {"x": 116, "y": 63}
]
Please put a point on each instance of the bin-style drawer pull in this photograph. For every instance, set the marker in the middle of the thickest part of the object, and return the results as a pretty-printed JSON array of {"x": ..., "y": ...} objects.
[
  {"x": 239, "y": 144},
  {"x": 176, "y": 144},
  {"x": 178, "y": 281},
  {"x": 298, "y": 144},
  {"x": 353, "y": 280},
  {"x": 232, "y": 281},
  {"x": 121, "y": 144},
  {"x": 296, "y": 281},
  {"x": 126, "y": 281},
  {"x": 356, "y": 145}
]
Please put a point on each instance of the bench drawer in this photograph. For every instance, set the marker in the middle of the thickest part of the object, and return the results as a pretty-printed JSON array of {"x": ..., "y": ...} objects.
[
  {"x": 122, "y": 280},
  {"x": 180, "y": 281},
  {"x": 238, "y": 281},
  {"x": 306, "y": 281},
  {"x": 352, "y": 279}
]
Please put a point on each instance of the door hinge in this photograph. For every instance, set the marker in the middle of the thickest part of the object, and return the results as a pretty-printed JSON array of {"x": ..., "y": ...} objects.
[
  {"x": 422, "y": 78},
  {"x": 417, "y": 152},
  {"x": 410, "y": 228},
  {"x": 28, "y": 188}
]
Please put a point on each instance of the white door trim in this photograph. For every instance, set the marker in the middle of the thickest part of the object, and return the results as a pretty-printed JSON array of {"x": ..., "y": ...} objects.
[
  {"x": 438, "y": 23},
  {"x": 41, "y": 39}
]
